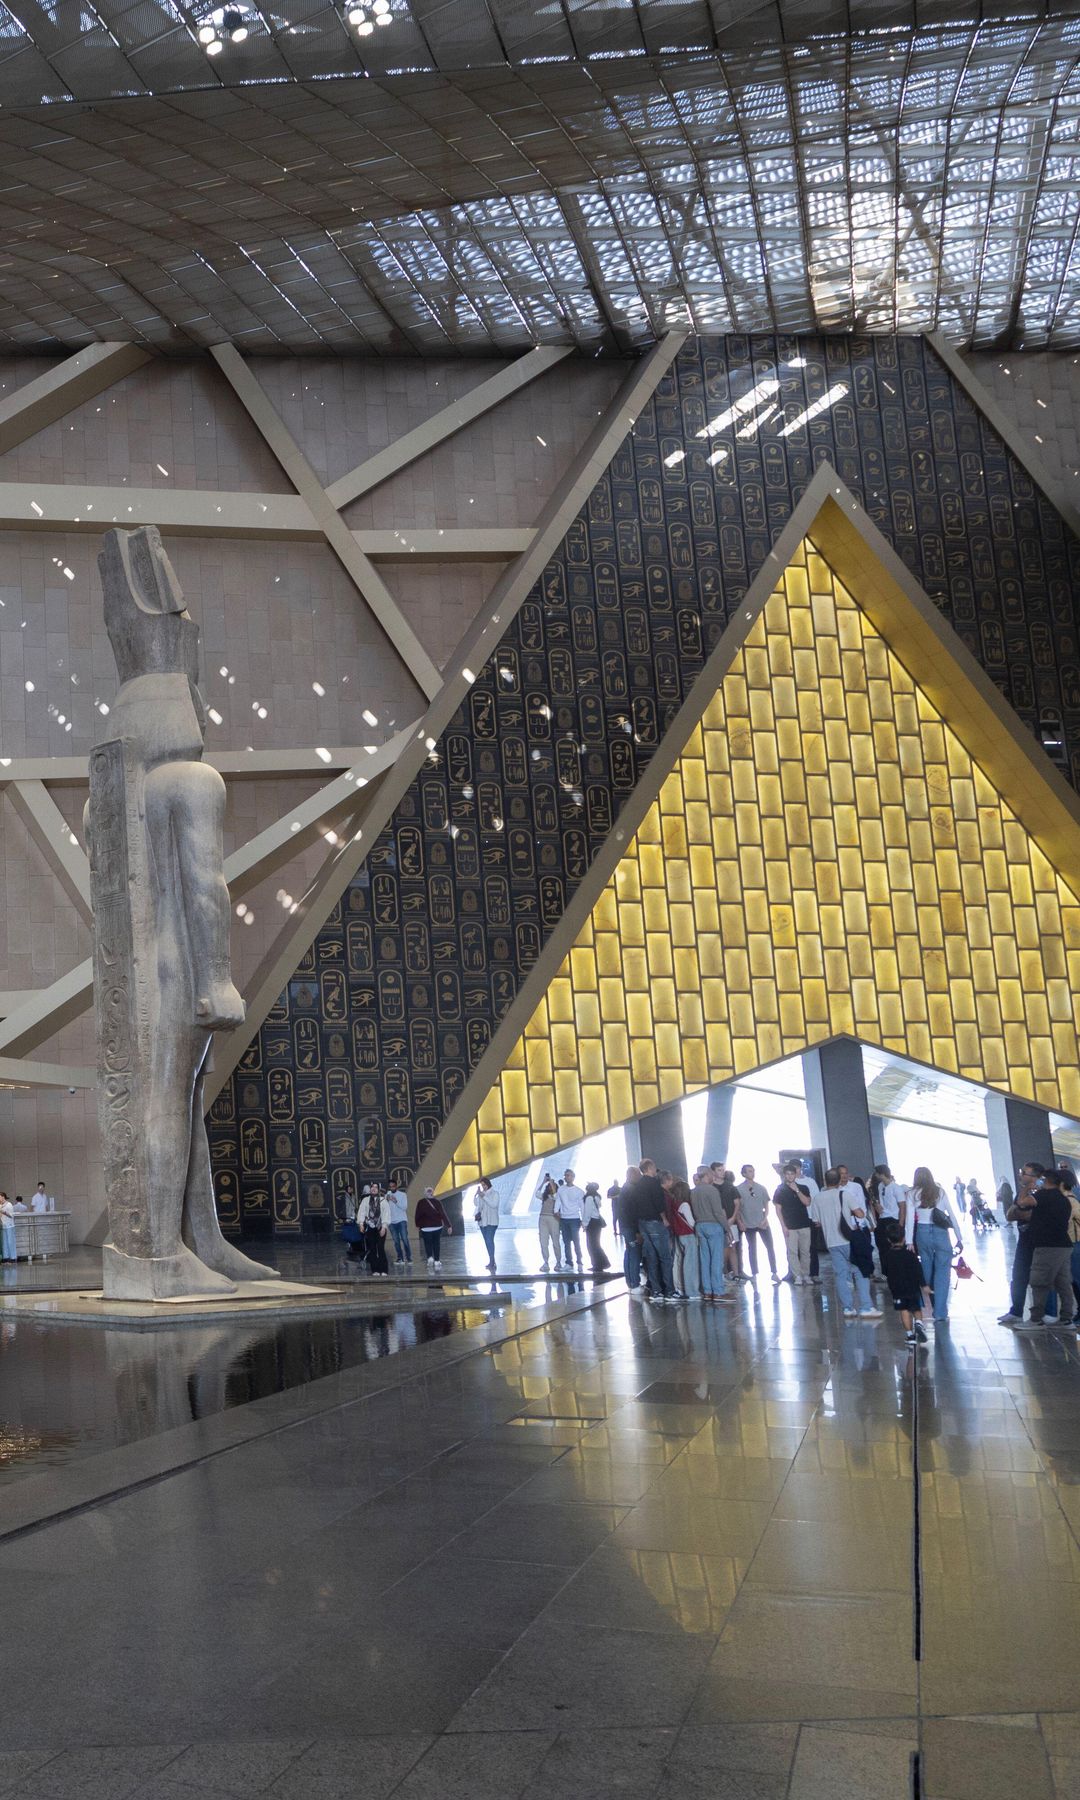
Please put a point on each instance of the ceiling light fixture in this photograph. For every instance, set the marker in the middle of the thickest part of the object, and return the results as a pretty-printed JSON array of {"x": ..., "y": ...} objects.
[{"x": 216, "y": 26}]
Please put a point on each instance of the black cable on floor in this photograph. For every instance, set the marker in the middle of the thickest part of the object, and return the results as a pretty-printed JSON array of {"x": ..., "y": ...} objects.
[{"x": 916, "y": 1775}]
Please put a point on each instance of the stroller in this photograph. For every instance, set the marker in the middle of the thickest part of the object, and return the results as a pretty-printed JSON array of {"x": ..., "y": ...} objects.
[{"x": 983, "y": 1217}]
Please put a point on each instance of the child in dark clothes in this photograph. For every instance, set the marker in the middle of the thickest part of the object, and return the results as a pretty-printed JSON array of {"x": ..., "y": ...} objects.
[{"x": 903, "y": 1272}]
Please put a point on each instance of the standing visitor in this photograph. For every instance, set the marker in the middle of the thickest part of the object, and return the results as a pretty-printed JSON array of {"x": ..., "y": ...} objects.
[
  {"x": 431, "y": 1221},
  {"x": 729, "y": 1200},
  {"x": 927, "y": 1230},
  {"x": 1004, "y": 1196},
  {"x": 549, "y": 1224},
  {"x": 1019, "y": 1214},
  {"x": 711, "y": 1223},
  {"x": 903, "y": 1272},
  {"x": 1051, "y": 1250},
  {"x": 372, "y": 1222},
  {"x": 486, "y": 1214},
  {"x": 754, "y": 1213},
  {"x": 838, "y": 1218},
  {"x": 682, "y": 1226},
  {"x": 397, "y": 1217},
  {"x": 649, "y": 1203},
  {"x": 792, "y": 1202},
  {"x": 960, "y": 1191},
  {"x": 7, "y": 1230},
  {"x": 570, "y": 1207},
  {"x": 626, "y": 1219},
  {"x": 594, "y": 1225},
  {"x": 888, "y": 1200},
  {"x": 42, "y": 1202}
]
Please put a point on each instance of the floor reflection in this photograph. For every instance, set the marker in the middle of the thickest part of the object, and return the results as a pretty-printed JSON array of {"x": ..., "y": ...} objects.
[{"x": 66, "y": 1392}]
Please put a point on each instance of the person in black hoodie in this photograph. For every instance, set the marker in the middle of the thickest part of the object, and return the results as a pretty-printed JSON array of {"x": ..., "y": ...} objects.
[
  {"x": 903, "y": 1272},
  {"x": 1050, "y": 1258}
]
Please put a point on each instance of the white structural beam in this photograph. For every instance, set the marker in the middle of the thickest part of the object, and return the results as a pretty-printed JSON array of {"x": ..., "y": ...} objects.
[
  {"x": 368, "y": 583},
  {"x": 25, "y": 1073},
  {"x": 237, "y": 765},
  {"x": 194, "y": 512},
  {"x": 416, "y": 443},
  {"x": 54, "y": 837},
  {"x": 78, "y": 378}
]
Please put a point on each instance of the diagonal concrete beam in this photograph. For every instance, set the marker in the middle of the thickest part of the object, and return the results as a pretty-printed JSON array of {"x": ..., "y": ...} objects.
[
  {"x": 442, "y": 425},
  {"x": 17, "y": 1072},
  {"x": 238, "y": 765},
  {"x": 78, "y": 378},
  {"x": 368, "y": 583},
  {"x": 53, "y": 835}
]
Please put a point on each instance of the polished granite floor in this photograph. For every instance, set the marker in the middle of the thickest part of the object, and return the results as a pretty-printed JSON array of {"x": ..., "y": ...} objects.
[{"x": 586, "y": 1548}]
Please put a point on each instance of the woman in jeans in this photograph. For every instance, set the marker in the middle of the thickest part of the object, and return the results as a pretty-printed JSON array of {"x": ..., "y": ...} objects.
[
  {"x": 930, "y": 1227},
  {"x": 431, "y": 1221},
  {"x": 486, "y": 1214}
]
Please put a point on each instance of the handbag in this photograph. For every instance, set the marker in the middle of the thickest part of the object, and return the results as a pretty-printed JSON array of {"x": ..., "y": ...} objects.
[
  {"x": 351, "y": 1232},
  {"x": 941, "y": 1219}
]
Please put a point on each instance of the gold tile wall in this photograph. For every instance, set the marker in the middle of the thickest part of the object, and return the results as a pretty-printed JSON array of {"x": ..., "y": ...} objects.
[{"x": 825, "y": 857}]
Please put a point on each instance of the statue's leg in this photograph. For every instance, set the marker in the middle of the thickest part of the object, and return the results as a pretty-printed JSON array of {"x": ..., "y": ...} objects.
[
  {"x": 193, "y": 795},
  {"x": 178, "y": 1052},
  {"x": 201, "y": 1228}
]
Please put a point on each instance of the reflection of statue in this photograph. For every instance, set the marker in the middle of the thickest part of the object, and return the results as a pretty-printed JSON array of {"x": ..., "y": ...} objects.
[{"x": 161, "y": 940}]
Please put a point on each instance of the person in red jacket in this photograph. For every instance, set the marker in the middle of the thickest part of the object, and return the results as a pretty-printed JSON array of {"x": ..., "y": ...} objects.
[{"x": 431, "y": 1221}]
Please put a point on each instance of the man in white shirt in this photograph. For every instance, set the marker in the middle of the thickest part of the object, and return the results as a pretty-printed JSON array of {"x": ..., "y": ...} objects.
[
  {"x": 41, "y": 1202},
  {"x": 396, "y": 1202},
  {"x": 828, "y": 1210},
  {"x": 852, "y": 1190},
  {"x": 754, "y": 1210},
  {"x": 570, "y": 1206}
]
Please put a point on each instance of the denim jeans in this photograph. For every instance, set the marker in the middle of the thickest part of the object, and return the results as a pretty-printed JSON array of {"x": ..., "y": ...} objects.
[
  {"x": 631, "y": 1260},
  {"x": 711, "y": 1239},
  {"x": 852, "y": 1287},
  {"x": 934, "y": 1246},
  {"x": 571, "y": 1241},
  {"x": 402, "y": 1247},
  {"x": 656, "y": 1243},
  {"x": 487, "y": 1232}
]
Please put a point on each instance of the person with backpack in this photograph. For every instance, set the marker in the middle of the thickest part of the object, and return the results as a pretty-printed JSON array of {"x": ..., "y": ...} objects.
[
  {"x": 930, "y": 1221},
  {"x": 840, "y": 1218},
  {"x": 903, "y": 1272}
]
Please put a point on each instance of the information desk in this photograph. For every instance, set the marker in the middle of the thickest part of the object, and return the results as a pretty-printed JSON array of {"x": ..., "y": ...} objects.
[{"x": 41, "y": 1234}]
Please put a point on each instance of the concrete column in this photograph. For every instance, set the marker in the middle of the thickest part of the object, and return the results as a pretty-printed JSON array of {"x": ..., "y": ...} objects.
[
  {"x": 662, "y": 1138},
  {"x": 633, "y": 1141},
  {"x": 837, "y": 1106},
  {"x": 718, "y": 1122},
  {"x": 1019, "y": 1132},
  {"x": 877, "y": 1137}
]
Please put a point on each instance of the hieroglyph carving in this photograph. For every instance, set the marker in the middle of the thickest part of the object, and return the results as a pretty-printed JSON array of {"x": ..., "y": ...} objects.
[{"x": 162, "y": 982}]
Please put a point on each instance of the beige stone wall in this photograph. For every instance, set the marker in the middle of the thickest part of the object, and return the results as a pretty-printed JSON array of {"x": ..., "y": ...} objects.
[{"x": 280, "y": 618}]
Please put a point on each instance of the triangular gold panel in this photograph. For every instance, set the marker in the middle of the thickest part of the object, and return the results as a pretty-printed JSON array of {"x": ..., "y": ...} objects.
[{"x": 824, "y": 857}]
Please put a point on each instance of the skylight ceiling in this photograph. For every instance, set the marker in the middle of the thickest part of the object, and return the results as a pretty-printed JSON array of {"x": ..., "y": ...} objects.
[{"x": 481, "y": 177}]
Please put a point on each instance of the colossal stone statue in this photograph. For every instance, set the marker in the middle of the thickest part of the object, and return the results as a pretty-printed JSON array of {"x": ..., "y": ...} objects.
[{"x": 162, "y": 983}]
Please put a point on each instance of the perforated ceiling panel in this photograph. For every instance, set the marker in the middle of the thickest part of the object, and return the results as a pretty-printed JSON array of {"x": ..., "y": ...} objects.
[{"x": 492, "y": 175}]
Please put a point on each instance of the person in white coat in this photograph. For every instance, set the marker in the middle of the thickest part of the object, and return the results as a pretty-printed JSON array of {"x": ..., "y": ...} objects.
[
  {"x": 570, "y": 1207},
  {"x": 7, "y": 1229}
]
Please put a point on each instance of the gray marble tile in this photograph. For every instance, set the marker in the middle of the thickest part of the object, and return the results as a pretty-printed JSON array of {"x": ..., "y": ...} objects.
[
  {"x": 837, "y": 1764},
  {"x": 651, "y": 1590},
  {"x": 554, "y": 1532},
  {"x": 99, "y": 1773},
  {"x": 355, "y": 1768},
  {"x": 16, "y": 1765},
  {"x": 602, "y": 1764},
  {"x": 563, "y": 1675},
  {"x": 488, "y": 1765},
  {"x": 238, "y": 1770}
]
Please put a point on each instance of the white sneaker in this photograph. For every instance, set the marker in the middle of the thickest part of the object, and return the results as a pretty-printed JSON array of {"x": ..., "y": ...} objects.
[
  {"x": 430, "y": 1264},
  {"x": 1009, "y": 1318},
  {"x": 545, "y": 1267},
  {"x": 850, "y": 1313},
  {"x": 872, "y": 1314}
]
